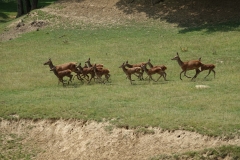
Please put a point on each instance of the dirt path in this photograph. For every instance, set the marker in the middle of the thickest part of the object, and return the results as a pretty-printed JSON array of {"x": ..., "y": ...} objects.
[{"x": 90, "y": 140}]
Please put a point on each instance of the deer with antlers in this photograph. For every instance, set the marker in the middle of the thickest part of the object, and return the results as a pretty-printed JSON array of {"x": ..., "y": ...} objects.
[{"x": 188, "y": 65}]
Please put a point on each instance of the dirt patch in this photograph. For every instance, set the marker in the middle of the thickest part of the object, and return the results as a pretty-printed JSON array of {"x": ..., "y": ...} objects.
[
  {"x": 74, "y": 139},
  {"x": 20, "y": 27}
]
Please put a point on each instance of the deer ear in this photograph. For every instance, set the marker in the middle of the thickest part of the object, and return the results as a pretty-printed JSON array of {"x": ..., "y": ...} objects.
[{"x": 177, "y": 53}]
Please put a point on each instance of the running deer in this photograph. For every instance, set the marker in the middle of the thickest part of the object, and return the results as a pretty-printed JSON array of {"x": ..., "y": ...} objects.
[
  {"x": 71, "y": 66},
  {"x": 163, "y": 67},
  {"x": 209, "y": 67},
  {"x": 153, "y": 71},
  {"x": 188, "y": 65},
  {"x": 85, "y": 72},
  {"x": 61, "y": 74},
  {"x": 99, "y": 72},
  {"x": 130, "y": 71},
  {"x": 140, "y": 76},
  {"x": 90, "y": 65}
]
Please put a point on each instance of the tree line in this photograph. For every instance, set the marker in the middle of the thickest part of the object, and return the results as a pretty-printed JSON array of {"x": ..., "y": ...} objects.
[{"x": 25, "y": 6}]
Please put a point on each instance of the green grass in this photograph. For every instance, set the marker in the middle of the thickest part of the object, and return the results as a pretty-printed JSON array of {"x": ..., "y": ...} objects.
[{"x": 30, "y": 90}]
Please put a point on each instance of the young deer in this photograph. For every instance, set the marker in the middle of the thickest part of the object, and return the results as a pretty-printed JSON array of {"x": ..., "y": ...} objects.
[
  {"x": 130, "y": 71},
  {"x": 71, "y": 66},
  {"x": 188, "y": 65},
  {"x": 140, "y": 76},
  {"x": 209, "y": 67},
  {"x": 152, "y": 71},
  {"x": 61, "y": 74},
  {"x": 90, "y": 65},
  {"x": 163, "y": 67},
  {"x": 85, "y": 72},
  {"x": 99, "y": 72}
]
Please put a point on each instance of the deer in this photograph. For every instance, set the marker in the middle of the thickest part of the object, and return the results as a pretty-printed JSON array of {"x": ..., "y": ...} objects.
[
  {"x": 163, "y": 67},
  {"x": 151, "y": 71},
  {"x": 99, "y": 72},
  {"x": 61, "y": 74},
  {"x": 140, "y": 76},
  {"x": 130, "y": 71},
  {"x": 85, "y": 72},
  {"x": 71, "y": 66},
  {"x": 188, "y": 65},
  {"x": 90, "y": 65},
  {"x": 209, "y": 67}
]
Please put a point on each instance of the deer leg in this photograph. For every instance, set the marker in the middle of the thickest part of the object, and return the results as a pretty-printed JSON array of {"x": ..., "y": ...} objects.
[
  {"x": 186, "y": 74},
  {"x": 181, "y": 74},
  {"x": 92, "y": 76},
  {"x": 162, "y": 75},
  {"x": 70, "y": 78},
  {"x": 197, "y": 72},
  {"x": 150, "y": 77},
  {"x": 214, "y": 73},
  {"x": 165, "y": 76},
  {"x": 129, "y": 77},
  {"x": 208, "y": 73},
  {"x": 107, "y": 77}
]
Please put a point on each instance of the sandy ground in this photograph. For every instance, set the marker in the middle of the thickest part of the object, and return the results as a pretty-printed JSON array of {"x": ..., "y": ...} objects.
[{"x": 78, "y": 140}]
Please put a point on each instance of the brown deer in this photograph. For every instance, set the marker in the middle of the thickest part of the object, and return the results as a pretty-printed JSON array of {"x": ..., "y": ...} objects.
[
  {"x": 163, "y": 67},
  {"x": 140, "y": 76},
  {"x": 90, "y": 65},
  {"x": 209, "y": 67},
  {"x": 152, "y": 71},
  {"x": 61, "y": 74},
  {"x": 188, "y": 65},
  {"x": 71, "y": 65},
  {"x": 85, "y": 72},
  {"x": 130, "y": 71},
  {"x": 99, "y": 72}
]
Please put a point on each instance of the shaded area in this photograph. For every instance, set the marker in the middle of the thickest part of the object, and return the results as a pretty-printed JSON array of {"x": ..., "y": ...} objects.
[
  {"x": 9, "y": 7},
  {"x": 6, "y": 7},
  {"x": 189, "y": 14}
]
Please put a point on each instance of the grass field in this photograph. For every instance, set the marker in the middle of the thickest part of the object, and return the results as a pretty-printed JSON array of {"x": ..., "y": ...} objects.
[{"x": 28, "y": 89}]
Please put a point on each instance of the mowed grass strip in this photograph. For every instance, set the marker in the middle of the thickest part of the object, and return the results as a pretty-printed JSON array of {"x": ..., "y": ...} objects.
[{"x": 28, "y": 89}]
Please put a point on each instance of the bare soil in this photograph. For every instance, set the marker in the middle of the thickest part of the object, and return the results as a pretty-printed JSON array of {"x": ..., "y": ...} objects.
[{"x": 82, "y": 140}]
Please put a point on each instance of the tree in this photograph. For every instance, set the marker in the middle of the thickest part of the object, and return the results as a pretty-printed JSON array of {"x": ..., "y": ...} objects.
[{"x": 25, "y": 6}]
